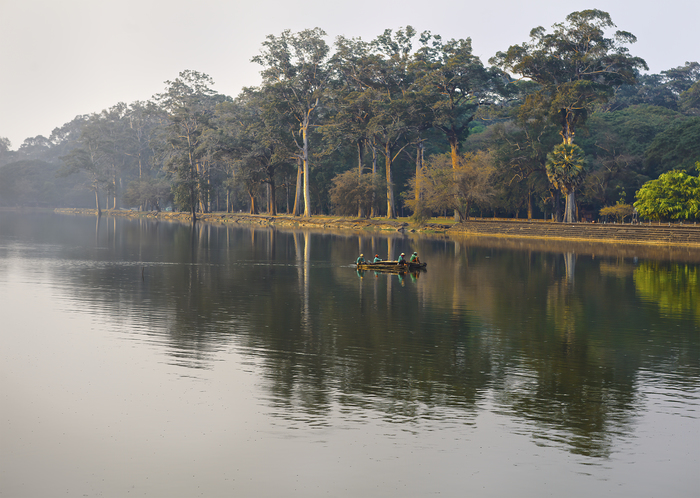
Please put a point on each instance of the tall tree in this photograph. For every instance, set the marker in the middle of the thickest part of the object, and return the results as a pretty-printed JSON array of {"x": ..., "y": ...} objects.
[
  {"x": 250, "y": 133},
  {"x": 576, "y": 67},
  {"x": 112, "y": 128},
  {"x": 350, "y": 100},
  {"x": 89, "y": 157},
  {"x": 455, "y": 84},
  {"x": 102, "y": 149},
  {"x": 188, "y": 105},
  {"x": 295, "y": 66},
  {"x": 393, "y": 124},
  {"x": 141, "y": 120}
]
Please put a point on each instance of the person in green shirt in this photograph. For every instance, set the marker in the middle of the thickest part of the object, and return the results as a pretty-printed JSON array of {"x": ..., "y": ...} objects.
[
  {"x": 361, "y": 259},
  {"x": 402, "y": 259},
  {"x": 377, "y": 259},
  {"x": 415, "y": 258}
]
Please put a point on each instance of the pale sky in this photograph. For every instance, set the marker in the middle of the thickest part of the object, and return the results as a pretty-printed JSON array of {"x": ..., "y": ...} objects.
[{"x": 62, "y": 58}]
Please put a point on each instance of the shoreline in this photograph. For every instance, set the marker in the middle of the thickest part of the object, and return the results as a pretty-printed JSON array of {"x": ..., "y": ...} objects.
[{"x": 643, "y": 234}]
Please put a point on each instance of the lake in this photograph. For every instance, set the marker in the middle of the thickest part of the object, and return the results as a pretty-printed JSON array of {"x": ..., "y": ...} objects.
[{"x": 146, "y": 358}]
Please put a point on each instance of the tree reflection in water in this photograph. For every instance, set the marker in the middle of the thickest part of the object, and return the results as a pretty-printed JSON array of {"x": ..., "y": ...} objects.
[
  {"x": 553, "y": 335},
  {"x": 674, "y": 287}
]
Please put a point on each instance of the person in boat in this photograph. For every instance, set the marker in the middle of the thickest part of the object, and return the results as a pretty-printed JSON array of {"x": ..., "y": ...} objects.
[
  {"x": 361, "y": 259},
  {"x": 415, "y": 258},
  {"x": 402, "y": 259},
  {"x": 377, "y": 259}
]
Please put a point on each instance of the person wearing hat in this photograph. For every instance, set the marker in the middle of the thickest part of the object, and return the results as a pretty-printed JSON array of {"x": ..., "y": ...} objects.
[
  {"x": 361, "y": 259},
  {"x": 402, "y": 259},
  {"x": 415, "y": 258},
  {"x": 377, "y": 259}
]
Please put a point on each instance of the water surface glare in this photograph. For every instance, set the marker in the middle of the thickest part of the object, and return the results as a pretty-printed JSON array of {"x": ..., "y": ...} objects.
[{"x": 156, "y": 359}]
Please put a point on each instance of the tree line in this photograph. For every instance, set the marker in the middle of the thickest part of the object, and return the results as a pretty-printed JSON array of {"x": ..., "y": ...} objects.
[{"x": 561, "y": 126}]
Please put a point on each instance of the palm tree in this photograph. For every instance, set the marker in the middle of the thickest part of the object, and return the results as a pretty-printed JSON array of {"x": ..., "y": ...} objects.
[{"x": 566, "y": 166}]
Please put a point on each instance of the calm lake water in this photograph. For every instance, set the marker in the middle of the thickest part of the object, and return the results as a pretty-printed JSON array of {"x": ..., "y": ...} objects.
[{"x": 140, "y": 358}]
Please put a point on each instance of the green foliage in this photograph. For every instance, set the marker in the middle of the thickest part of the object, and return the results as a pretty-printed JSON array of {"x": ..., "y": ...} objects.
[
  {"x": 566, "y": 167},
  {"x": 519, "y": 149},
  {"x": 188, "y": 104},
  {"x": 672, "y": 89},
  {"x": 616, "y": 147},
  {"x": 252, "y": 141},
  {"x": 676, "y": 147},
  {"x": 690, "y": 100},
  {"x": 576, "y": 67},
  {"x": 454, "y": 84},
  {"x": 675, "y": 195},
  {"x": 628, "y": 131},
  {"x": 295, "y": 68}
]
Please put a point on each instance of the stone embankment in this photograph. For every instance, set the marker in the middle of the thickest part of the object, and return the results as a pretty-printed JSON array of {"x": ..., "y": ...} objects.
[
  {"x": 643, "y": 233},
  {"x": 655, "y": 233}
]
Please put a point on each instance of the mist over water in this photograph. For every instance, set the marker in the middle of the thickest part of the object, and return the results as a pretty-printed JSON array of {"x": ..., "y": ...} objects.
[{"x": 161, "y": 359}]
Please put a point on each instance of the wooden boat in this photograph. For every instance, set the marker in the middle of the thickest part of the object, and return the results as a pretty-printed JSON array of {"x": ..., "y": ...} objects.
[{"x": 393, "y": 267}]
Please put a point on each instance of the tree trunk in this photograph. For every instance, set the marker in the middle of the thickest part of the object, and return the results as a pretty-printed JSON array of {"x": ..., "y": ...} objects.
[
  {"x": 419, "y": 171},
  {"x": 203, "y": 196},
  {"x": 97, "y": 204},
  {"x": 372, "y": 213},
  {"x": 454, "y": 156},
  {"x": 360, "y": 211},
  {"x": 253, "y": 205},
  {"x": 193, "y": 204},
  {"x": 287, "y": 191},
  {"x": 305, "y": 133},
  {"x": 556, "y": 211},
  {"x": 192, "y": 175},
  {"x": 272, "y": 206},
  {"x": 529, "y": 204},
  {"x": 454, "y": 150},
  {"x": 390, "y": 209},
  {"x": 567, "y": 132},
  {"x": 297, "y": 194},
  {"x": 114, "y": 191},
  {"x": 569, "y": 211}
]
